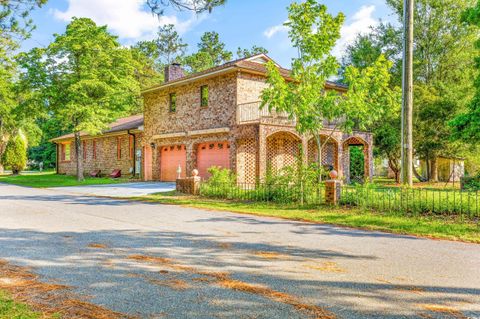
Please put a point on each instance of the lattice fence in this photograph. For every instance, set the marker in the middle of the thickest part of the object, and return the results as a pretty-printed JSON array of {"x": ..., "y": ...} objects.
[
  {"x": 329, "y": 153},
  {"x": 282, "y": 151},
  {"x": 246, "y": 161}
]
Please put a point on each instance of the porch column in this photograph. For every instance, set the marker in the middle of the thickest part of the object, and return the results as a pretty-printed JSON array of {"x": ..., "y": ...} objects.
[
  {"x": 262, "y": 154},
  {"x": 305, "y": 150},
  {"x": 191, "y": 161},
  {"x": 340, "y": 157},
  {"x": 346, "y": 162}
]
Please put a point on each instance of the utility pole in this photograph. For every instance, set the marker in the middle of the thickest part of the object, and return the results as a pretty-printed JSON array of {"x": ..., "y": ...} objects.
[{"x": 407, "y": 94}]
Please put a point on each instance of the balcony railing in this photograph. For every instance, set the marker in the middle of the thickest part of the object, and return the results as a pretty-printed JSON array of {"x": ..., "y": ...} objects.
[{"x": 250, "y": 113}]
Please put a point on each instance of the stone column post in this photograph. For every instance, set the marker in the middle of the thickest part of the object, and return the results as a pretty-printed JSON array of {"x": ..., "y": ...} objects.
[
  {"x": 262, "y": 153},
  {"x": 332, "y": 192}
]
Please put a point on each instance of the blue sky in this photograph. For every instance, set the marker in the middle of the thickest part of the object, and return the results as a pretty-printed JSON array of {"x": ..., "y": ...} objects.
[{"x": 240, "y": 22}]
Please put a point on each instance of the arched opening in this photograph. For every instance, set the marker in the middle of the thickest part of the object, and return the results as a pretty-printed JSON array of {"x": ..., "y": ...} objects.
[
  {"x": 356, "y": 160},
  {"x": 329, "y": 153},
  {"x": 283, "y": 150}
]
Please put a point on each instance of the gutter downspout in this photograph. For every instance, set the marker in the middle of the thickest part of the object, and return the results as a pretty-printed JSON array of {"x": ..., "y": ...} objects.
[{"x": 134, "y": 152}]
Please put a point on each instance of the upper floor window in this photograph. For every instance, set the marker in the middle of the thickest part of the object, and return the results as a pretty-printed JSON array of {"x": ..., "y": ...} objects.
[
  {"x": 173, "y": 102},
  {"x": 204, "y": 95}
]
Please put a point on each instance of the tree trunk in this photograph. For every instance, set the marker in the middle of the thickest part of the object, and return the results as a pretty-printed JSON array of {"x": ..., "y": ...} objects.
[
  {"x": 434, "y": 170},
  {"x": 393, "y": 164},
  {"x": 79, "y": 157}
]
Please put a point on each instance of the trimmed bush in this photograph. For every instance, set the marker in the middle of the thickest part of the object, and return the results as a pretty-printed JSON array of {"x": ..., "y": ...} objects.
[{"x": 15, "y": 156}]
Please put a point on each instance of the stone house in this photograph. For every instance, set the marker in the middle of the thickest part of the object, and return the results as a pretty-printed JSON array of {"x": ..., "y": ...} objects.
[{"x": 212, "y": 118}]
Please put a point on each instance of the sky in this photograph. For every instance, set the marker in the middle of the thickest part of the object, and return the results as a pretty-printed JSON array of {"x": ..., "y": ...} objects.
[{"x": 240, "y": 23}]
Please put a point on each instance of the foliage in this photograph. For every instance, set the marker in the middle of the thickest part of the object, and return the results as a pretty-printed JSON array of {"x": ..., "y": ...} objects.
[
  {"x": 246, "y": 53},
  {"x": 197, "y": 6},
  {"x": 210, "y": 43},
  {"x": 15, "y": 155},
  {"x": 198, "y": 62},
  {"x": 169, "y": 46},
  {"x": 357, "y": 164},
  {"x": 471, "y": 183},
  {"x": 467, "y": 125}
]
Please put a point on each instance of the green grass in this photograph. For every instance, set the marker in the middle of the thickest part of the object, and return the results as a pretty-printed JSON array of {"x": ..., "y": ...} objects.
[
  {"x": 424, "y": 226},
  {"x": 50, "y": 179},
  {"x": 10, "y": 309}
]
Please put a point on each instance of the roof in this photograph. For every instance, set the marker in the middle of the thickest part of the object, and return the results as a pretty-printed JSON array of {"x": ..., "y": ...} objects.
[
  {"x": 248, "y": 64},
  {"x": 123, "y": 124}
]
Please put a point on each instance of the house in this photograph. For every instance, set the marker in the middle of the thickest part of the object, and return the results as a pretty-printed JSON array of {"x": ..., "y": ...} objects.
[
  {"x": 213, "y": 118},
  {"x": 113, "y": 149}
]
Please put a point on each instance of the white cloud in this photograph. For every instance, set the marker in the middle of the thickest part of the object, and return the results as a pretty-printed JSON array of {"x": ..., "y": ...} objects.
[
  {"x": 360, "y": 23},
  {"x": 126, "y": 18},
  {"x": 270, "y": 32}
]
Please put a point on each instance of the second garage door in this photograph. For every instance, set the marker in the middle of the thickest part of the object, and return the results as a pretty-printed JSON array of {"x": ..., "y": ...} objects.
[
  {"x": 212, "y": 154},
  {"x": 170, "y": 158}
]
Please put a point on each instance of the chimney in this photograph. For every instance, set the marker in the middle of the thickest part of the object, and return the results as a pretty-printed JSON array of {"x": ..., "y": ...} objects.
[{"x": 173, "y": 72}]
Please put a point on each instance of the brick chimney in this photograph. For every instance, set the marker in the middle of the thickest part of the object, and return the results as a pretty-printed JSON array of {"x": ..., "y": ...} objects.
[{"x": 173, "y": 72}]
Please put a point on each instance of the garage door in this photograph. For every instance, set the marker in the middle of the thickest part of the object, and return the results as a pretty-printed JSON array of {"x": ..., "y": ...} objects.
[
  {"x": 212, "y": 154},
  {"x": 170, "y": 158}
]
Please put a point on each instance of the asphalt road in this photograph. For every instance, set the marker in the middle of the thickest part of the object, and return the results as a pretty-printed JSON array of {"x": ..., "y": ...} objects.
[{"x": 270, "y": 268}]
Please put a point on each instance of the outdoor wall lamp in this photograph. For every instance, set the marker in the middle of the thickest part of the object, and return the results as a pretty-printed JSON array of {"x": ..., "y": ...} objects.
[{"x": 152, "y": 145}]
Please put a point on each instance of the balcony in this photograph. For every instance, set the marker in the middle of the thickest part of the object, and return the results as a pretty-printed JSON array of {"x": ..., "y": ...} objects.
[{"x": 250, "y": 113}]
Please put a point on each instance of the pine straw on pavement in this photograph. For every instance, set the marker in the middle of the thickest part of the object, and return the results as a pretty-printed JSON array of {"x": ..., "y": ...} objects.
[
  {"x": 224, "y": 280},
  {"x": 49, "y": 299}
]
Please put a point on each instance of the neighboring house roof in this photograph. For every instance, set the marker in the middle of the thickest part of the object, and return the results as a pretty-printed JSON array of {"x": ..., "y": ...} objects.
[
  {"x": 133, "y": 122},
  {"x": 254, "y": 63}
]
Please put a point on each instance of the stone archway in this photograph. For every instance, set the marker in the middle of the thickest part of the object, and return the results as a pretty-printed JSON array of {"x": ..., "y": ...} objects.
[
  {"x": 329, "y": 152},
  {"x": 358, "y": 142},
  {"x": 283, "y": 150}
]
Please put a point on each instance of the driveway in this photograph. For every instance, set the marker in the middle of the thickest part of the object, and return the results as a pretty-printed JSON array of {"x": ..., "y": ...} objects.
[
  {"x": 160, "y": 261},
  {"x": 119, "y": 190}
]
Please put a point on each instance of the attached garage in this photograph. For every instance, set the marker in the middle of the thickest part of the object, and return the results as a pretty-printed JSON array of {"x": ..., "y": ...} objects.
[
  {"x": 212, "y": 154},
  {"x": 170, "y": 158}
]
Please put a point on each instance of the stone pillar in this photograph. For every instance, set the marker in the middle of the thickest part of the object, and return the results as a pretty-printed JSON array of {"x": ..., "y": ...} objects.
[
  {"x": 340, "y": 157},
  {"x": 262, "y": 153},
  {"x": 305, "y": 149},
  {"x": 346, "y": 162},
  {"x": 189, "y": 185},
  {"x": 333, "y": 189},
  {"x": 233, "y": 154}
]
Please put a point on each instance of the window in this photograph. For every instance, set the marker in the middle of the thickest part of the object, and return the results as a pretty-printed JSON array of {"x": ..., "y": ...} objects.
[
  {"x": 94, "y": 146},
  {"x": 173, "y": 102},
  {"x": 119, "y": 148},
  {"x": 130, "y": 146},
  {"x": 84, "y": 148},
  {"x": 65, "y": 152},
  {"x": 204, "y": 95}
]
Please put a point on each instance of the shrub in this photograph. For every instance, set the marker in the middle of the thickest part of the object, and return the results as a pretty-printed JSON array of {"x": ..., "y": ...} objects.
[
  {"x": 222, "y": 183},
  {"x": 15, "y": 155},
  {"x": 471, "y": 183}
]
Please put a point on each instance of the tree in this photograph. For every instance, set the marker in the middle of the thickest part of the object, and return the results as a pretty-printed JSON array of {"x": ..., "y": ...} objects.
[
  {"x": 467, "y": 125},
  {"x": 15, "y": 155},
  {"x": 210, "y": 43},
  {"x": 89, "y": 79},
  {"x": 313, "y": 33},
  {"x": 169, "y": 44},
  {"x": 246, "y": 53},
  {"x": 197, "y": 6},
  {"x": 198, "y": 62},
  {"x": 15, "y": 26}
]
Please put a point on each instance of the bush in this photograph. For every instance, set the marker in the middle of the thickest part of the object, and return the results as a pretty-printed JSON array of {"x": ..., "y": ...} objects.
[
  {"x": 15, "y": 156},
  {"x": 222, "y": 183},
  {"x": 471, "y": 183}
]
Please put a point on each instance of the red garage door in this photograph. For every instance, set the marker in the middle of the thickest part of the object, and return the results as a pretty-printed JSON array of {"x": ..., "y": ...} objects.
[
  {"x": 170, "y": 158},
  {"x": 212, "y": 154}
]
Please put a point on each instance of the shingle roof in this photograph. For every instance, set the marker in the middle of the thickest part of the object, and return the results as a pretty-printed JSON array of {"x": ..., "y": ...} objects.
[
  {"x": 243, "y": 63},
  {"x": 122, "y": 124}
]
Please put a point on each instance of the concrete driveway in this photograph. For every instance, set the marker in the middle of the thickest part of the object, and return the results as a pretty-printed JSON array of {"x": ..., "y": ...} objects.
[
  {"x": 159, "y": 261},
  {"x": 119, "y": 190}
]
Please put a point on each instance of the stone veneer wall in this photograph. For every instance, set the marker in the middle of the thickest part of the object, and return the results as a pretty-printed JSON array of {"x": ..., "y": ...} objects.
[{"x": 106, "y": 159}]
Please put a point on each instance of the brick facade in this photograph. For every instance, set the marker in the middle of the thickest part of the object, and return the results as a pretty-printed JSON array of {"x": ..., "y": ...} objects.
[{"x": 105, "y": 159}]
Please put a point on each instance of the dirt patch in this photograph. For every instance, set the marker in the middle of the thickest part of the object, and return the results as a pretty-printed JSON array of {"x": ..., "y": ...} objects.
[
  {"x": 326, "y": 266},
  {"x": 453, "y": 312},
  {"x": 49, "y": 299},
  {"x": 224, "y": 280},
  {"x": 97, "y": 245},
  {"x": 269, "y": 255},
  {"x": 175, "y": 284}
]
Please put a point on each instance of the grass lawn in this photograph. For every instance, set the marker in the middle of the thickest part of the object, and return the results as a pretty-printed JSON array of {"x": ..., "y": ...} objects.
[
  {"x": 10, "y": 309},
  {"x": 424, "y": 226},
  {"x": 50, "y": 179}
]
